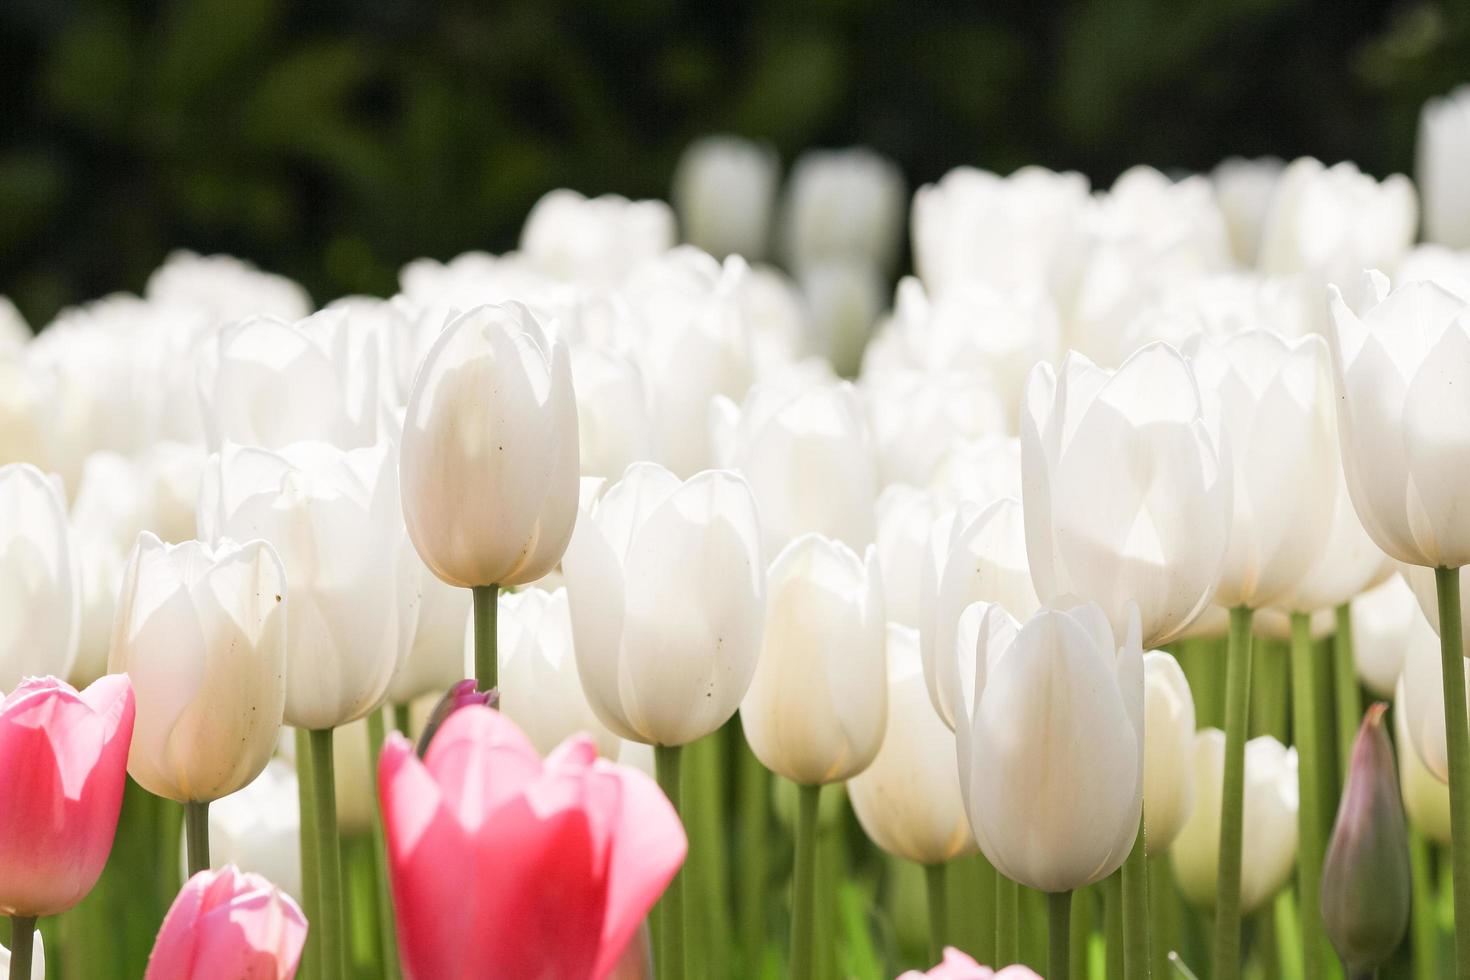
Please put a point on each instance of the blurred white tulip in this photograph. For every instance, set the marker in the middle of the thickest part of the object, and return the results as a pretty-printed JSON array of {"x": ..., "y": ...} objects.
[
  {"x": 1421, "y": 695},
  {"x": 666, "y": 585},
  {"x": 1441, "y": 159},
  {"x": 1168, "y": 750},
  {"x": 40, "y": 586},
  {"x": 908, "y": 800},
  {"x": 225, "y": 288},
  {"x": 598, "y": 240},
  {"x": 1426, "y": 797},
  {"x": 614, "y": 427},
  {"x": 844, "y": 298},
  {"x": 1349, "y": 563},
  {"x": 432, "y": 619},
  {"x": 843, "y": 204},
  {"x": 916, "y": 418},
  {"x": 1244, "y": 189},
  {"x": 258, "y": 828},
  {"x": 1383, "y": 619},
  {"x": 817, "y": 706},
  {"x": 906, "y": 520},
  {"x": 1268, "y": 853},
  {"x": 38, "y": 957},
  {"x": 725, "y": 192},
  {"x": 978, "y": 471}
]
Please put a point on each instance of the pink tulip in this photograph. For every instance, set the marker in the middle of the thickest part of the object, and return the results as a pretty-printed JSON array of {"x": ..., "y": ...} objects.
[
  {"x": 229, "y": 923},
  {"x": 63, "y": 763},
  {"x": 960, "y": 966},
  {"x": 506, "y": 866}
]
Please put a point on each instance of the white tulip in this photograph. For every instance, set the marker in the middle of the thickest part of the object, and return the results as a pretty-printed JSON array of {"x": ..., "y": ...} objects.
[
  {"x": 489, "y": 466},
  {"x": 597, "y": 240},
  {"x": 259, "y": 828},
  {"x": 540, "y": 689},
  {"x": 38, "y": 957},
  {"x": 808, "y": 459},
  {"x": 432, "y": 620},
  {"x": 1244, "y": 189},
  {"x": 1272, "y": 399},
  {"x": 1383, "y": 619},
  {"x": 614, "y": 427},
  {"x": 1421, "y": 697},
  {"x": 40, "y": 589},
  {"x": 906, "y": 519},
  {"x": 781, "y": 333},
  {"x": 1349, "y": 563},
  {"x": 333, "y": 517},
  {"x": 979, "y": 471},
  {"x": 1441, "y": 158},
  {"x": 1056, "y": 720},
  {"x": 843, "y": 204},
  {"x": 100, "y": 564},
  {"x": 844, "y": 298},
  {"x": 818, "y": 703},
  {"x": 225, "y": 288},
  {"x": 15, "y": 333},
  {"x": 1168, "y": 750},
  {"x": 1268, "y": 853},
  {"x": 725, "y": 192},
  {"x": 917, "y": 417},
  {"x": 666, "y": 585},
  {"x": 1127, "y": 489},
  {"x": 1402, "y": 366},
  {"x": 908, "y": 800},
  {"x": 1426, "y": 797}
]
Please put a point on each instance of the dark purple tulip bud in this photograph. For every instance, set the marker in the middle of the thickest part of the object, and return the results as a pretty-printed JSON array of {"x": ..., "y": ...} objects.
[
  {"x": 1365, "y": 881},
  {"x": 460, "y": 695}
]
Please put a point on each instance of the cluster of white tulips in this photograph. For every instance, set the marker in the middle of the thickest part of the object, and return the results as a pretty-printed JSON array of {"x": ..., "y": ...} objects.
[{"x": 987, "y": 555}]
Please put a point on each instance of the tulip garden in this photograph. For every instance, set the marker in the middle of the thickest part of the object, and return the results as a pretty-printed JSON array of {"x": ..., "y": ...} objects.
[{"x": 688, "y": 594}]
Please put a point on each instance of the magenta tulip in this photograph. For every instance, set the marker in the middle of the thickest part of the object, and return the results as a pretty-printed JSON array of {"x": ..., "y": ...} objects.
[
  {"x": 503, "y": 865},
  {"x": 63, "y": 763},
  {"x": 957, "y": 965},
  {"x": 228, "y": 923}
]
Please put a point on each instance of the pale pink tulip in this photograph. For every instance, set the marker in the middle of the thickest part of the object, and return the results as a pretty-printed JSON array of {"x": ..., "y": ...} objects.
[
  {"x": 958, "y": 965},
  {"x": 503, "y": 865},
  {"x": 228, "y": 923},
  {"x": 63, "y": 762}
]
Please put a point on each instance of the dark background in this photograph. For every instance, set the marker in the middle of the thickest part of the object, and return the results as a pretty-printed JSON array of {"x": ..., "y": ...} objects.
[{"x": 335, "y": 140}]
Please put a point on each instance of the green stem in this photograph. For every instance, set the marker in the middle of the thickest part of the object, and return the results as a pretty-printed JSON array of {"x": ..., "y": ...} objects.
[
  {"x": 1424, "y": 935},
  {"x": 196, "y": 831},
  {"x": 1457, "y": 735},
  {"x": 1135, "y": 911},
  {"x": 755, "y": 792},
  {"x": 401, "y": 719},
  {"x": 387, "y": 937},
  {"x": 329, "y": 854},
  {"x": 1237, "y": 709},
  {"x": 22, "y": 944},
  {"x": 667, "y": 761},
  {"x": 803, "y": 885},
  {"x": 1083, "y": 907},
  {"x": 938, "y": 910},
  {"x": 1310, "y": 845},
  {"x": 1113, "y": 926},
  {"x": 487, "y": 664},
  {"x": 1059, "y": 936},
  {"x": 1007, "y": 920},
  {"x": 310, "y": 867},
  {"x": 1161, "y": 906},
  {"x": 1345, "y": 680}
]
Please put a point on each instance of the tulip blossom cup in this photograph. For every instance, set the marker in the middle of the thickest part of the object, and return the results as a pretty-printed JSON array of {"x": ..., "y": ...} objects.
[{"x": 229, "y": 923}]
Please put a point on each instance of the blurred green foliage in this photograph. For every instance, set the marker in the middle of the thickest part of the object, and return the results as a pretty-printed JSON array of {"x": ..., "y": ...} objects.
[{"x": 334, "y": 140}]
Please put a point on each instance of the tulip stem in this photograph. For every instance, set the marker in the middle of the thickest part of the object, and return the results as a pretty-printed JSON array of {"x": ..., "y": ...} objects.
[
  {"x": 1424, "y": 933},
  {"x": 22, "y": 942},
  {"x": 1232, "y": 799},
  {"x": 667, "y": 761},
  {"x": 803, "y": 884},
  {"x": 196, "y": 832},
  {"x": 328, "y": 853},
  {"x": 755, "y": 783},
  {"x": 1135, "y": 910},
  {"x": 387, "y": 938},
  {"x": 1059, "y": 937},
  {"x": 401, "y": 719},
  {"x": 1007, "y": 920},
  {"x": 1457, "y": 735},
  {"x": 310, "y": 873},
  {"x": 1345, "y": 686},
  {"x": 1162, "y": 903},
  {"x": 487, "y": 664},
  {"x": 1304, "y": 698},
  {"x": 938, "y": 909}
]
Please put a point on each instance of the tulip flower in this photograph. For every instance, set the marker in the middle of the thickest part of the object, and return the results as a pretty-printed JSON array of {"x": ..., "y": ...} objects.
[
  {"x": 1426, "y": 797},
  {"x": 985, "y": 562},
  {"x": 596, "y": 240},
  {"x": 1383, "y": 619},
  {"x": 63, "y": 762},
  {"x": 549, "y": 874},
  {"x": 40, "y": 595},
  {"x": 979, "y": 471},
  {"x": 807, "y": 457},
  {"x": 228, "y": 923},
  {"x": 1365, "y": 882},
  {"x": 958, "y": 965},
  {"x": 916, "y": 417},
  {"x": 540, "y": 688},
  {"x": 1244, "y": 188},
  {"x": 1168, "y": 750},
  {"x": 1155, "y": 531},
  {"x": 614, "y": 427},
  {"x": 1440, "y": 159},
  {"x": 845, "y": 298},
  {"x": 432, "y": 619},
  {"x": 37, "y": 960},
  {"x": 258, "y": 829},
  {"x": 1270, "y": 821},
  {"x": 1423, "y": 682},
  {"x": 225, "y": 288},
  {"x": 724, "y": 191},
  {"x": 906, "y": 518},
  {"x": 843, "y": 204}
]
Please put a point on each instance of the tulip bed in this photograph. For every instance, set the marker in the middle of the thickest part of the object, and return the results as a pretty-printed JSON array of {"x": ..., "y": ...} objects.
[{"x": 617, "y": 607}]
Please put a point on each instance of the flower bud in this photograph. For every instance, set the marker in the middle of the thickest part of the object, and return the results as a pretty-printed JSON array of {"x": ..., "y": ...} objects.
[{"x": 1365, "y": 880}]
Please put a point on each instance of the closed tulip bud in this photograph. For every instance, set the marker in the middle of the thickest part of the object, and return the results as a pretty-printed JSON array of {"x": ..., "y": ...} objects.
[
  {"x": 596, "y": 240},
  {"x": 1057, "y": 720},
  {"x": 647, "y": 546},
  {"x": 549, "y": 875},
  {"x": 1244, "y": 188},
  {"x": 540, "y": 689},
  {"x": 1426, "y": 798},
  {"x": 725, "y": 191},
  {"x": 817, "y": 706},
  {"x": 461, "y": 695},
  {"x": 1400, "y": 357},
  {"x": 843, "y": 204},
  {"x": 333, "y": 518},
  {"x": 259, "y": 828},
  {"x": 63, "y": 763},
  {"x": 228, "y": 923},
  {"x": 201, "y": 633},
  {"x": 1365, "y": 879},
  {"x": 808, "y": 459},
  {"x": 985, "y": 561},
  {"x": 40, "y": 589},
  {"x": 1383, "y": 619},
  {"x": 908, "y": 801},
  {"x": 1440, "y": 159},
  {"x": 489, "y": 466},
  {"x": 1272, "y": 399},
  {"x": 38, "y": 958},
  {"x": 1168, "y": 750},
  {"x": 1152, "y": 532},
  {"x": 1268, "y": 853}
]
